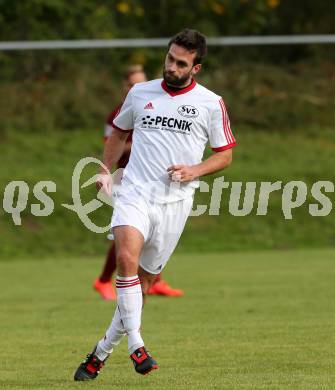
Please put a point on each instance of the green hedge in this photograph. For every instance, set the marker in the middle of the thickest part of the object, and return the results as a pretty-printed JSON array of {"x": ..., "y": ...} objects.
[
  {"x": 259, "y": 156},
  {"x": 260, "y": 96}
]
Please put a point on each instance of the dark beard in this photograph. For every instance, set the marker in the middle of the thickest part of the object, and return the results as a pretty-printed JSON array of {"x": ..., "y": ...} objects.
[{"x": 173, "y": 81}]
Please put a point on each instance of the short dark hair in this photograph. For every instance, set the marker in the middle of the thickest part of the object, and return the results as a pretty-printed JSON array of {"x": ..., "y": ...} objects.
[{"x": 193, "y": 41}]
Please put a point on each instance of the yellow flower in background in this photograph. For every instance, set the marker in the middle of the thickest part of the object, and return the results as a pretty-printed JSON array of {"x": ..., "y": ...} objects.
[
  {"x": 139, "y": 11},
  {"x": 218, "y": 8},
  {"x": 123, "y": 7},
  {"x": 273, "y": 3}
]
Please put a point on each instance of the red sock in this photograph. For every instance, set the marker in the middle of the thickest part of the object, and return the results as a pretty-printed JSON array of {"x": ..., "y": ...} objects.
[
  {"x": 110, "y": 265},
  {"x": 158, "y": 278}
]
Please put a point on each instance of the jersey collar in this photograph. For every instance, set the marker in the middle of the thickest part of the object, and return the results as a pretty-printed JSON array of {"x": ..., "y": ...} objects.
[{"x": 179, "y": 92}]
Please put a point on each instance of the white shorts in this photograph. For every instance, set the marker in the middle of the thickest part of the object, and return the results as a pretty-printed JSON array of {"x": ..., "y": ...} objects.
[{"x": 160, "y": 224}]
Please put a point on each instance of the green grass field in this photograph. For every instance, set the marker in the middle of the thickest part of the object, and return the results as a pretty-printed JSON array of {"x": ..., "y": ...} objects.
[
  {"x": 254, "y": 320},
  {"x": 260, "y": 156}
]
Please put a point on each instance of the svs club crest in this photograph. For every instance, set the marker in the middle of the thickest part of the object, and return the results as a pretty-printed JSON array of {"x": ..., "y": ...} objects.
[{"x": 188, "y": 111}]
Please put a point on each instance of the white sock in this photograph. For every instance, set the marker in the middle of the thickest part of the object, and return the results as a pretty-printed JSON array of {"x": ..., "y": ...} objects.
[
  {"x": 130, "y": 301},
  {"x": 112, "y": 338}
]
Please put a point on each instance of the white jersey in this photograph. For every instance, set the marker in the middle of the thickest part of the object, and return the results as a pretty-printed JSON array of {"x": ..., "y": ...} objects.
[{"x": 170, "y": 128}]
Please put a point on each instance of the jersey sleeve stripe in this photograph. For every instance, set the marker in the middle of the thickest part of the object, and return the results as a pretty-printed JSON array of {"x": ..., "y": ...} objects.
[
  {"x": 225, "y": 121},
  {"x": 226, "y": 125},
  {"x": 230, "y": 134},
  {"x": 222, "y": 148}
]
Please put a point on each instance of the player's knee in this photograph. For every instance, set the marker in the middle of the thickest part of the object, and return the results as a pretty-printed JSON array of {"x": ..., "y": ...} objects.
[{"x": 125, "y": 260}]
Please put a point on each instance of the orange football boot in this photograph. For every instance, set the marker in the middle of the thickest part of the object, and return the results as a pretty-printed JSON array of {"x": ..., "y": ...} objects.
[
  {"x": 105, "y": 289},
  {"x": 162, "y": 288}
]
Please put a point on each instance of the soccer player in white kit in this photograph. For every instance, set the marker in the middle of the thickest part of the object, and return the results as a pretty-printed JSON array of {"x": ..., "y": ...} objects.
[{"x": 172, "y": 120}]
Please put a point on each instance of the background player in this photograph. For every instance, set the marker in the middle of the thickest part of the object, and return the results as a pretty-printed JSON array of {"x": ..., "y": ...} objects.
[{"x": 104, "y": 284}]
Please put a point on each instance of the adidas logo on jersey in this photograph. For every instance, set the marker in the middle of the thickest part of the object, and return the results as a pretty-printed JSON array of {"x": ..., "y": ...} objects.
[{"x": 149, "y": 106}]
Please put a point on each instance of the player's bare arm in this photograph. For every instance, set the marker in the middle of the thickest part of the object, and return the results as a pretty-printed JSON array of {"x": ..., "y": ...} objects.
[
  {"x": 114, "y": 148},
  {"x": 216, "y": 162}
]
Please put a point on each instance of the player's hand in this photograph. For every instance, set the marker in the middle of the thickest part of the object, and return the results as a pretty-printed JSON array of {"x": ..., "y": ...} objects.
[
  {"x": 104, "y": 182},
  {"x": 182, "y": 173}
]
